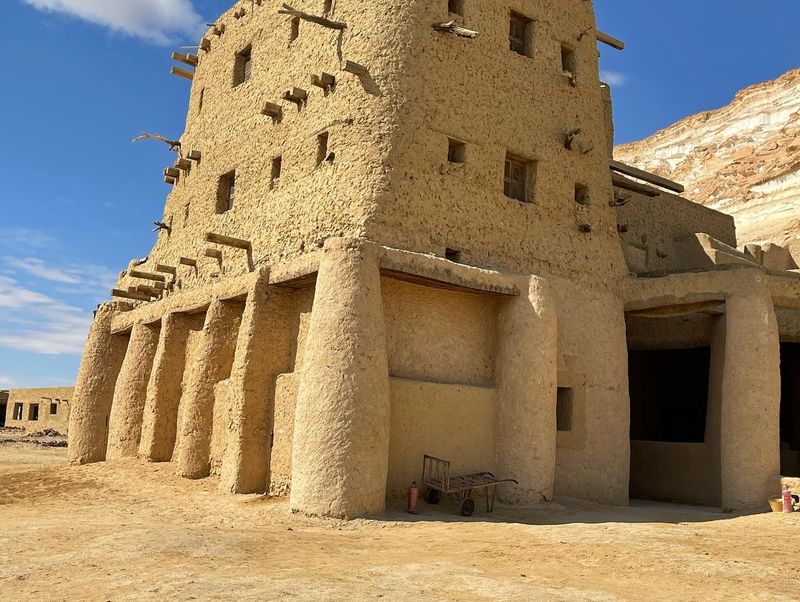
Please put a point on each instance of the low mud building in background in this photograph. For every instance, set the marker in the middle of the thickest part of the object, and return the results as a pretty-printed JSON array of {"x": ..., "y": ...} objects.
[
  {"x": 36, "y": 409},
  {"x": 397, "y": 230}
]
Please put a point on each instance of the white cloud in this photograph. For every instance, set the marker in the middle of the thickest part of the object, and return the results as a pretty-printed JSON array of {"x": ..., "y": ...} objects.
[
  {"x": 613, "y": 78},
  {"x": 158, "y": 21},
  {"x": 6, "y": 382},
  {"x": 24, "y": 237},
  {"x": 37, "y": 267},
  {"x": 32, "y": 321}
]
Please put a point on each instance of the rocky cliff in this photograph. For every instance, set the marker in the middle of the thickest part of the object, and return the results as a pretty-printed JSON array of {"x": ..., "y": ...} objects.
[{"x": 743, "y": 159}]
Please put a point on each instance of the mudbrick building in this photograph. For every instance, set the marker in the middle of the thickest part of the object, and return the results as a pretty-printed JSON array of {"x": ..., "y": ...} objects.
[
  {"x": 396, "y": 229},
  {"x": 36, "y": 409}
]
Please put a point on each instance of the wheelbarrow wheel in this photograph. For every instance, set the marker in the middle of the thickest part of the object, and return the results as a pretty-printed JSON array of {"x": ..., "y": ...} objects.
[
  {"x": 467, "y": 506},
  {"x": 433, "y": 496}
]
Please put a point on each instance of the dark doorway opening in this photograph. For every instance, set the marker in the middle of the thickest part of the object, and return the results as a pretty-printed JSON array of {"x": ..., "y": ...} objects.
[
  {"x": 669, "y": 394},
  {"x": 3, "y": 408},
  {"x": 790, "y": 409}
]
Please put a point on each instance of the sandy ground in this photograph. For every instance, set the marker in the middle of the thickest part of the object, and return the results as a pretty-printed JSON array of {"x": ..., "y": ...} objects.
[{"x": 131, "y": 531}]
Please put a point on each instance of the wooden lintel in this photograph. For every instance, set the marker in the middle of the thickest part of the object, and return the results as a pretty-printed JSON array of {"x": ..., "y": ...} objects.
[
  {"x": 167, "y": 269},
  {"x": 147, "y": 276},
  {"x": 188, "y": 59},
  {"x": 646, "y": 176},
  {"x": 288, "y": 10},
  {"x": 194, "y": 155},
  {"x": 188, "y": 261},
  {"x": 229, "y": 241},
  {"x": 610, "y": 40},
  {"x": 128, "y": 295},
  {"x": 183, "y": 164},
  {"x": 455, "y": 29},
  {"x": 622, "y": 182},
  {"x": 182, "y": 73},
  {"x": 214, "y": 254},
  {"x": 355, "y": 68},
  {"x": 668, "y": 311}
]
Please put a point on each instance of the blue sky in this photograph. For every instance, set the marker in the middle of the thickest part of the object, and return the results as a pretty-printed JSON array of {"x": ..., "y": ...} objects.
[{"x": 81, "y": 78}]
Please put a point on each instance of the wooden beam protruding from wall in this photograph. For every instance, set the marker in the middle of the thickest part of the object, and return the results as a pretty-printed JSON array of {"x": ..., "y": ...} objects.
[
  {"x": 214, "y": 254},
  {"x": 187, "y": 59},
  {"x": 127, "y": 295},
  {"x": 622, "y": 182},
  {"x": 228, "y": 241},
  {"x": 182, "y": 73},
  {"x": 167, "y": 269},
  {"x": 610, "y": 40},
  {"x": 646, "y": 176},
  {"x": 325, "y": 22},
  {"x": 147, "y": 276}
]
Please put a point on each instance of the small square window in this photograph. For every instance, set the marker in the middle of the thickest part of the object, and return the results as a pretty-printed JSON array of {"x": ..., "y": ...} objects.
[
  {"x": 33, "y": 412},
  {"x": 275, "y": 175},
  {"x": 452, "y": 255},
  {"x": 243, "y": 66},
  {"x": 568, "y": 64},
  {"x": 456, "y": 152},
  {"x": 322, "y": 148},
  {"x": 582, "y": 195},
  {"x": 294, "y": 29},
  {"x": 226, "y": 192},
  {"x": 53, "y": 409},
  {"x": 456, "y": 7},
  {"x": 520, "y": 34},
  {"x": 564, "y": 404},
  {"x": 518, "y": 178}
]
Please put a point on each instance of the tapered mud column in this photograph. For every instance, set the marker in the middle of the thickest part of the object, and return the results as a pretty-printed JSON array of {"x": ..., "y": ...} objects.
[
  {"x": 160, "y": 416},
  {"x": 193, "y": 445},
  {"x": 94, "y": 391},
  {"x": 526, "y": 375},
  {"x": 262, "y": 352},
  {"x": 750, "y": 437},
  {"x": 125, "y": 424},
  {"x": 340, "y": 453}
]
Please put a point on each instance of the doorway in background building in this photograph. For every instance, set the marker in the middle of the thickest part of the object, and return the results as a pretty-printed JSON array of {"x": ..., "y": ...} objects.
[
  {"x": 3, "y": 408},
  {"x": 790, "y": 409}
]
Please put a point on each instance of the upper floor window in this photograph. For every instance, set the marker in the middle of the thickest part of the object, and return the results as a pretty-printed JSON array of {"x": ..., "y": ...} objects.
[
  {"x": 53, "y": 409},
  {"x": 518, "y": 178},
  {"x": 17, "y": 411},
  {"x": 243, "y": 66},
  {"x": 520, "y": 35},
  {"x": 456, "y": 7},
  {"x": 226, "y": 192},
  {"x": 33, "y": 412}
]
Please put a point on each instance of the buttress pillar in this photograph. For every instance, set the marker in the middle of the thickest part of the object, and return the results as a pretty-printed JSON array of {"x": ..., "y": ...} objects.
[
  {"x": 94, "y": 390},
  {"x": 340, "y": 452},
  {"x": 263, "y": 351},
  {"x": 160, "y": 415},
  {"x": 125, "y": 424},
  {"x": 526, "y": 375},
  {"x": 751, "y": 392},
  {"x": 212, "y": 365}
]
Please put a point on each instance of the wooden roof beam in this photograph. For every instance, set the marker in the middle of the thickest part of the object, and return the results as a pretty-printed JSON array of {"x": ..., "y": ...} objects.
[
  {"x": 288, "y": 10},
  {"x": 228, "y": 241},
  {"x": 147, "y": 276},
  {"x": 646, "y": 176},
  {"x": 622, "y": 182},
  {"x": 127, "y": 295},
  {"x": 604, "y": 38},
  {"x": 182, "y": 73}
]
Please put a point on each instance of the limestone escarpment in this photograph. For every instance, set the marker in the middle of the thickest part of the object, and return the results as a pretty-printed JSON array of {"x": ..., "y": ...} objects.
[{"x": 742, "y": 159}]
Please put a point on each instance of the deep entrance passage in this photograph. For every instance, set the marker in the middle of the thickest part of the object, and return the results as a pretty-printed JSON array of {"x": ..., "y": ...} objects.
[
  {"x": 3, "y": 408},
  {"x": 669, "y": 394},
  {"x": 790, "y": 409}
]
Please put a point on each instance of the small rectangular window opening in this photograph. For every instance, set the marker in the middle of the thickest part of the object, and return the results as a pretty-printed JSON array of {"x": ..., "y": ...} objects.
[
  {"x": 517, "y": 178},
  {"x": 294, "y": 31},
  {"x": 275, "y": 175},
  {"x": 243, "y": 67},
  {"x": 564, "y": 403},
  {"x": 456, "y": 152},
  {"x": 582, "y": 195},
  {"x": 33, "y": 412},
  {"x": 322, "y": 148},
  {"x": 226, "y": 193},
  {"x": 568, "y": 60},
  {"x": 53, "y": 409},
  {"x": 17, "y": 411},
  {"x": 455, "y": 7},
  {"x": 520, "y": 34},
  {"x": 452, "y": 255}
]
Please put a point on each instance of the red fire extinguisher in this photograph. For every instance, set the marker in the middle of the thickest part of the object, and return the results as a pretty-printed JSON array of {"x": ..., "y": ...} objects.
[
  {"x": 413, "y": 493},
  {"x": 787, "y": 499}
]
